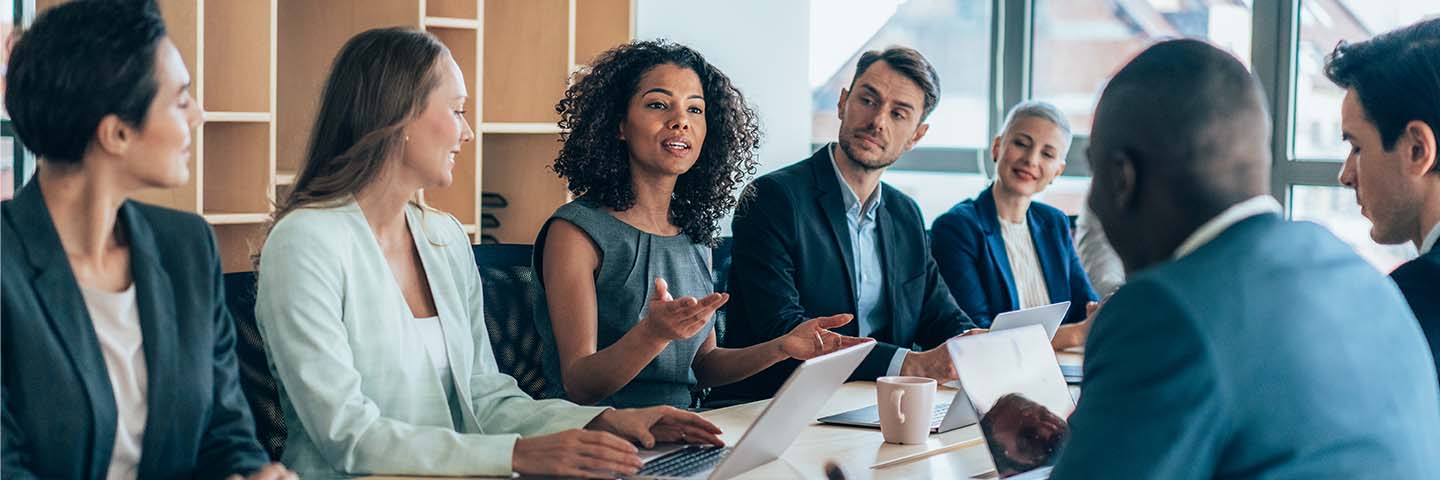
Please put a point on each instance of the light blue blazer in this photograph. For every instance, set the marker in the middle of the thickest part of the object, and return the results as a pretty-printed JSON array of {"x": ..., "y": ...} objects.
[{"x": 358, "y": 391}]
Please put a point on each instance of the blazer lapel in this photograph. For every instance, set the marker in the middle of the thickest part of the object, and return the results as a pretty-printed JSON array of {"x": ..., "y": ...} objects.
[
  {"x": 65, "y": 310},
  {"x": 890, "y": 249},
  {"x": 459, "y": 344},
  {"x": 990, "y": 225},
  {"x": 155, "y": 299},
  {"x": 1049, "y": 256},
  {"x": 833, "y": 207}
]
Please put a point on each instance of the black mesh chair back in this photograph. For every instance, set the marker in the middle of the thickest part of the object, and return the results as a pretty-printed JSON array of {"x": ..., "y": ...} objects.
[
  {"x": 510, "y": 295},
  {"x": 720, "y": 271},
  {"x": 255, "y": 380}
]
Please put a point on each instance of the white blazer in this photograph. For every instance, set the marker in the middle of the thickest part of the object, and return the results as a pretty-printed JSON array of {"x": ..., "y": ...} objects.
[{"x": 358, "y": 391}]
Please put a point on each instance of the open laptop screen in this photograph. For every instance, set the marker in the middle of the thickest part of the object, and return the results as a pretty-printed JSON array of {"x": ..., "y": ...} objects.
[{"x": 1014, "y": 382}]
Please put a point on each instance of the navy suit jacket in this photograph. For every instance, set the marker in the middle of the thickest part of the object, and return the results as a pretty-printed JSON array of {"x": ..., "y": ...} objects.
[
  {"x": 1419, "y": 280},
  {"x": 1243, "y": 360},
  {"x": 970, "y": 251},
  {"x": 58, "y": 406},
  {"x": 792, "y": 261}
]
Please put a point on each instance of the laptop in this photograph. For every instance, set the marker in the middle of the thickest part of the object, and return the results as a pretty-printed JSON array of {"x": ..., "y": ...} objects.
[
  {"x": 1048, "y": 316},
  {"x": 1015, "y": 386},
  {"x": 792, "y": 409},
  {"x": 955, "y": 414}
]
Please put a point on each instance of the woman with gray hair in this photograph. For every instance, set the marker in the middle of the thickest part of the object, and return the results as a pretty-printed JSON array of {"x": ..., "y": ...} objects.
[{"x": 1002, "y": 251}]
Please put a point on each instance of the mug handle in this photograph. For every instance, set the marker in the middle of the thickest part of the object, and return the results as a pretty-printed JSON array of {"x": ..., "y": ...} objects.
[{"x": 896, "y": 397}]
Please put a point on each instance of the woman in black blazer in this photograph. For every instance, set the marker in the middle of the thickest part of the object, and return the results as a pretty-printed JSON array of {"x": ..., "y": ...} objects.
[{"x": 118, "y": 352}]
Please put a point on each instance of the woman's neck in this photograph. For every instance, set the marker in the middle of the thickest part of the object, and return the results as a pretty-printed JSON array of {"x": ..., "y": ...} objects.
[
  {"x": 1010, "y": 206},
  {"x": 84, "y": 207},
  {"x": 651, "y": 212},
  {"x": 383, "y": 203}
]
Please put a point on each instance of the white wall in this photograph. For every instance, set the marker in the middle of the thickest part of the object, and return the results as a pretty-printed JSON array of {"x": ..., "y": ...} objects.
[{"x": 763, "y": 45}]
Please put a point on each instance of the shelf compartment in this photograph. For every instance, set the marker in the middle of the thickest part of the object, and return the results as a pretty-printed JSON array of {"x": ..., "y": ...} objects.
[
  {"x": 601, "y": 25},
  {"x": 238, "y": 170},
  {"x": 237, "y": 241},
  {"x": 518, "y": 168},
  {"x": 527, "y": 59},
  {"x": 239, "y": 43}
]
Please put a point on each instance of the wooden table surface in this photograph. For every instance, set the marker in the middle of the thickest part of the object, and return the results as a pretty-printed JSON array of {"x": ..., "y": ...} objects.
[{"x": 857, "y": 449}]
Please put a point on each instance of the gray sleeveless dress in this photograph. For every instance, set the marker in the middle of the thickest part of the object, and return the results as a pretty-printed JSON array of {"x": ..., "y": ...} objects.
[{"x": 630, "y": 260}]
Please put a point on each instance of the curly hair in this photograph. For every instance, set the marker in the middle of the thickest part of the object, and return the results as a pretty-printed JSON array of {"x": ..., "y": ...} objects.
[{"x": 595, "y": 162}]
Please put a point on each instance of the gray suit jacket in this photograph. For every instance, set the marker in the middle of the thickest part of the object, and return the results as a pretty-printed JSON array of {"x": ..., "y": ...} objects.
[
  {"x": 1243, "y": 360},
  {"x": 358, "y": 391}
]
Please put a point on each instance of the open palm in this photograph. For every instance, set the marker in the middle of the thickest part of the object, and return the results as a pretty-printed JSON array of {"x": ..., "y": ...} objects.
[{"x": 814, "y": 338}]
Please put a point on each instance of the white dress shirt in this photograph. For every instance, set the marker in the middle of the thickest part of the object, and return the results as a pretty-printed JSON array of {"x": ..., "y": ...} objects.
[
  {"x": 1429, "y": 243},
  {"x": 1258, "y": 205}
]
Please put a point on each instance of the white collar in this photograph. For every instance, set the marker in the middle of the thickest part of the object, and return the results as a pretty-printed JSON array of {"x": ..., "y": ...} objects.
[
  {"x": 1258, "y": 205},
  {"x": 1429, "y": 243}
]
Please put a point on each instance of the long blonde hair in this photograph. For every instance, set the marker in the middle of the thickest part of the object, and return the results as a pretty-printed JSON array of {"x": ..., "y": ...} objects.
[{"x": 377, "y": 84}]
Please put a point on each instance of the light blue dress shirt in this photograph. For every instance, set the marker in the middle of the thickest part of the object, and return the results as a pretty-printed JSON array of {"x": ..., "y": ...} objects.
[{"x": 868, "y": 273}]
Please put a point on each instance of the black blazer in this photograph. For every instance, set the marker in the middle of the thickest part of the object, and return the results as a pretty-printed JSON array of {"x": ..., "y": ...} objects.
[
  {"x": 792, "y": 260},
  {"x": 1419, "y": 280},
  {"x": 58, "y": 406}
]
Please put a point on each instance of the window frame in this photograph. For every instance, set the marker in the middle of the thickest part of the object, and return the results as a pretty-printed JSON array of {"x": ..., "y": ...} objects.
[
  {"x": 24, "y": 164},
  {"x": 1274, "y": 46}
]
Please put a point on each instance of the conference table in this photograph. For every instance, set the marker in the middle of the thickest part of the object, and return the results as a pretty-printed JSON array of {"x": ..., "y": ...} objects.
[{"x": 856, "y": 450}]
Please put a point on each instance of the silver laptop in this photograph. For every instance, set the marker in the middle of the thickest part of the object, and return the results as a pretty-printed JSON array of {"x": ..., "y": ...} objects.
[
  {"x": 792, "y": 409},
  {"x": 1013, "y": 381},
  {"x": 1048, "y": 316},
  {"x": 955, "y": 414}
]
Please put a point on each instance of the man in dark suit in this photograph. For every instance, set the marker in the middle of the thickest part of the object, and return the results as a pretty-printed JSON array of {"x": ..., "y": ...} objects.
[
  {"x": 1390, "y": 116},
  {"x": 1232, "y": 351},
  {"x": 824, "y": 236}
]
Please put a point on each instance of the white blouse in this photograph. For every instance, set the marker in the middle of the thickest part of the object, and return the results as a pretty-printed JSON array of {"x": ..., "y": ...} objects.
[
  {"x": 1024, "y": 264},
  {"x": 116, "y": 319}
]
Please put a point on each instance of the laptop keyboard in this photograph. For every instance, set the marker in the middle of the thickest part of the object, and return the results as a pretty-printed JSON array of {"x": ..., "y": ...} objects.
[
  {"x": 940, "y": 410},
  {"x": 685, "y": 462}
]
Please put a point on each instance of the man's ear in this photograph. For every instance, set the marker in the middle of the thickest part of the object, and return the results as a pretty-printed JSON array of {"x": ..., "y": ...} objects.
[
  {"x": 840, "y": 106},
  {"x": 1125, "y": 182},
  {"x": 919, "y": 134},
  {"x": 1420, "y": 159}
]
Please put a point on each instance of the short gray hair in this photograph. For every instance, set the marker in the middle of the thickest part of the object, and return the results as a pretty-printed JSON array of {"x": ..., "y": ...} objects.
[{"x": 1037, "y": 109}]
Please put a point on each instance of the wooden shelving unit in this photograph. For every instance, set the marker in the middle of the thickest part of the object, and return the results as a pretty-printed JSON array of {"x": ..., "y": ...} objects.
[{"x": 258, "y": 70}]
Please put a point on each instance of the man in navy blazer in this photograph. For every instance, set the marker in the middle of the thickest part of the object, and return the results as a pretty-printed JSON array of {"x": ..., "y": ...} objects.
[
  {"x": 1232, "y": 351},
  {"x": 824, "y": 236},
  {"x": 1390, "y": 116}
]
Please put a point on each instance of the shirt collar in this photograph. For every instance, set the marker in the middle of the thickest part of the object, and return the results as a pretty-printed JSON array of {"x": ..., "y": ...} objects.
[
  {"x": 1258, "y": 205},
  {"x": 1430, "y": 239},
  {"x": 852, "y": 201}
]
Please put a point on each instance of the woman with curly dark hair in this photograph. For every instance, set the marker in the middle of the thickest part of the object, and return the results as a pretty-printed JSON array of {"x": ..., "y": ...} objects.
[{"x": 656, "y": 141}]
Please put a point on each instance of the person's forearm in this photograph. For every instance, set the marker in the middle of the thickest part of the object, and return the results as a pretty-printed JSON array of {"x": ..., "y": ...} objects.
[
  {"x": 722, "y": 366},
  {"x": 596, "y": 376}
]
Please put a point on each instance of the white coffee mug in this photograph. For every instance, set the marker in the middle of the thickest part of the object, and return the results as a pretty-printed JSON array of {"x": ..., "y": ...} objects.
[{"x": 906, "y": 407}]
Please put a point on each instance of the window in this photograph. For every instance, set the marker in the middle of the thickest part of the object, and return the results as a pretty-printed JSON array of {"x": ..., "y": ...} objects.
[
  {"x": 953, "y": 34},
  {"x": 11, "y": 155},
  {"x": 1335, "y": 208},
  {"x": 946, "y": 166},
  {"x": 1079, "y": 44},
  {"x": 1323, "y": 25}
]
